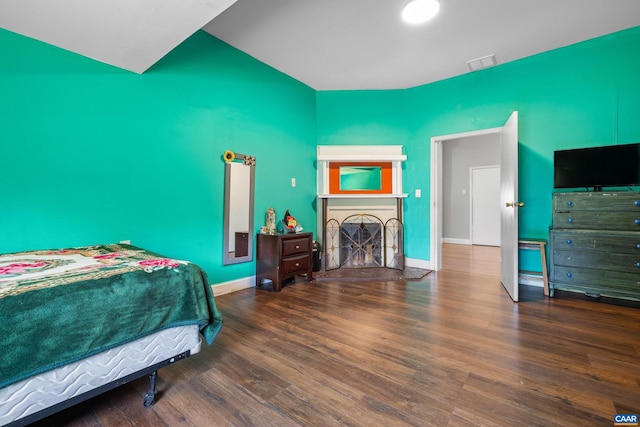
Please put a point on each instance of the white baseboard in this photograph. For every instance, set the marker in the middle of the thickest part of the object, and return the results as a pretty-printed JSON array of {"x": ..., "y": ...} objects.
[
  {"x": 456, "y": 241},
  {"x": 233, "y": 285},
  {"x": 531, "y": 280},
  {"x": 417, "y": 263}
]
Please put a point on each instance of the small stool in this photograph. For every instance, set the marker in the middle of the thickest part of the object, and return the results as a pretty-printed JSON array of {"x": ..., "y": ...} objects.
[{"x": 538, "y": 245}]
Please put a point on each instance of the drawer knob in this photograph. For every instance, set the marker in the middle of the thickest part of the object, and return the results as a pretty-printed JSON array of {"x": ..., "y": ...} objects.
[
  {"x": 638, "y": 264},
  {"x": 638, "y": 246},
  {"x": 569, "y": 241},
  {"x": 569, "y": 275},
  {"x": 636, "y": 221},
  {"x": 297, "y": 246},
  {"x": 569, "y": 203},
  {"x": 297, "y": 264},
  {"x": 636, "y": 202},
  {"x": 570, "y": 220}
]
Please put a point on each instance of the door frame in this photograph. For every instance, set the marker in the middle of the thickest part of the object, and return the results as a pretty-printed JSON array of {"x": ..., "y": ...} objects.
[{"x": 437, "y": 191}]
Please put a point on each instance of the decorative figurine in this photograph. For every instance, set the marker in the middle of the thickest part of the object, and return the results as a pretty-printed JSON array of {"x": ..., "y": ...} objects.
[
  {"x": 271, "y": 221},
  {"x": 289, "y": 224}
]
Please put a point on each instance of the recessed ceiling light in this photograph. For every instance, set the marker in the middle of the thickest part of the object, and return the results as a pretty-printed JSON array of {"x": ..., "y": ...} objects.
[{"x": 419, "y": 11}]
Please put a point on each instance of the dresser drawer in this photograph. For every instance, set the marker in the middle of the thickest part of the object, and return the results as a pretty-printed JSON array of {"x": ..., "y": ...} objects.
[
  {"x": 613, "y": 284},
  {"x": 295, "y": 264},
  {"x": 598, "y": 201},
  {"x": 295, "y": 246},
  {"x": 610, "y": 261},
  {"x": 600, "y": 220},
  {"x": 596, "y": 241}
]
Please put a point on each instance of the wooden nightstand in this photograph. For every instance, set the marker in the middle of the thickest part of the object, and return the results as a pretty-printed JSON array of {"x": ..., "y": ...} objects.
[{"x": 283, "y": 256}]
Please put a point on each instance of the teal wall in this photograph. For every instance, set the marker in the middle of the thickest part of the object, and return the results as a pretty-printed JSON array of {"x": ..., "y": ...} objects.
[
  {"x": 94, "y": 154},
  {"x": 582, "y": 95}
]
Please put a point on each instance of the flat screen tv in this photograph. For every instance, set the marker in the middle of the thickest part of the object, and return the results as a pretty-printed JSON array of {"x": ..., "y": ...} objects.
[{"x": 597, "y": 167}]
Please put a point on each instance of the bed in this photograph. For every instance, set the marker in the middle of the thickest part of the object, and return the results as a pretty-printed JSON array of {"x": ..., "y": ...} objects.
[{"x": 77, "y": 322}]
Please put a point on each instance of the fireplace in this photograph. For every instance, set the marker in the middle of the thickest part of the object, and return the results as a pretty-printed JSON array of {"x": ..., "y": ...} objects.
[
  {"x": 360, "y": 188},
  {"x": 364, "y": 241}
]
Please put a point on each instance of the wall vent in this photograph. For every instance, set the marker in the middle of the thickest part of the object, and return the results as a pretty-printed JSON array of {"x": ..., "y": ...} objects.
[{"x": 482, "y": 62}]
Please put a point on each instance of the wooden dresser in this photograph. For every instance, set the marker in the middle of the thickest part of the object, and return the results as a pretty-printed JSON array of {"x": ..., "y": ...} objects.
[
  {"x": 283, "y": 256},
  {"x": 595, "y": 244}
]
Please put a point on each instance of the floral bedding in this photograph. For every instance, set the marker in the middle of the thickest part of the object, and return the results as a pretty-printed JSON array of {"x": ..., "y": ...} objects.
[{"x": 59, "y": 306}]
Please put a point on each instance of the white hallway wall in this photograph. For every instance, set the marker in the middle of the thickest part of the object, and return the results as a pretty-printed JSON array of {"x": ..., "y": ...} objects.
[{"x": 458, "y": 156}]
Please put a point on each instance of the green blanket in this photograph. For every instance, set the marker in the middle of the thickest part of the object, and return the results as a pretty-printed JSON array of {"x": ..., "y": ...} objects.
[{"x": 60, "y": 306}]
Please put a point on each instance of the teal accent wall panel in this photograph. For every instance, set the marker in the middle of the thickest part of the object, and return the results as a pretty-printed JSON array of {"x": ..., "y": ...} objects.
[{"x": 94, "y": 154}]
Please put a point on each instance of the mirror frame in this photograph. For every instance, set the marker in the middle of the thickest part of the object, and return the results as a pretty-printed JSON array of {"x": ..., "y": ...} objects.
[
  {"x": 386, "y": 175},
  {"x": 250, "y": 162}
]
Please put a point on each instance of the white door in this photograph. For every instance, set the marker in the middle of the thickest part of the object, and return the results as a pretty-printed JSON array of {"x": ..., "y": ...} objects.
[
  {"x": 485, "y": 206},
  {"x": 509, "y": 205}
]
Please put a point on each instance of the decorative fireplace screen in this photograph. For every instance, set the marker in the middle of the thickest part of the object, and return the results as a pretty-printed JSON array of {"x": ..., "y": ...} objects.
[{"x": 363, "y": 241}]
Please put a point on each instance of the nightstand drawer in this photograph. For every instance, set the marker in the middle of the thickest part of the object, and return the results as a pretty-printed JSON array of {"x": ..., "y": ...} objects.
[
  {"x": 295, "y": 246},
  {"x": 294, "y": 264}
]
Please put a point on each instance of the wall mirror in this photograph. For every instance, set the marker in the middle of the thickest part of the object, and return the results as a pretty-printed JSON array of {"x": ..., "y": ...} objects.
[
  {"x": 360, "y": 178},
  {"x": 239, "y": 174}
]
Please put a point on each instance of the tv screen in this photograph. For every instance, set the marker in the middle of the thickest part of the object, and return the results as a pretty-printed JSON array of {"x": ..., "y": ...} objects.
[{"x": 597, "y": 167}]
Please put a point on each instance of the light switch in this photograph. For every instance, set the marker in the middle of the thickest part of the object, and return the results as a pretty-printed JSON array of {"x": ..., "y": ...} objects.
[
  {"x": 418, "y": 193},
  {"x": 293, "y": 182}
]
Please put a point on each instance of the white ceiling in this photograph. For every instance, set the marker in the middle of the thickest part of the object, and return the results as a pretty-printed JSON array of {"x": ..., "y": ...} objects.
[
  {"x": 326, "y": 44},
  {"x": 130, "y": 34}
]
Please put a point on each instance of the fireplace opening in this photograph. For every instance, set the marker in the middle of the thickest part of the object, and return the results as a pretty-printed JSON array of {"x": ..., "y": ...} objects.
[
  {"x": 364, "y": 241},
  {"x": 361, "y": 242}
]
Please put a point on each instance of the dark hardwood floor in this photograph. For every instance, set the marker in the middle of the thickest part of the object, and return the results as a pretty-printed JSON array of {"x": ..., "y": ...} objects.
[{"x": 451, "y": 349}]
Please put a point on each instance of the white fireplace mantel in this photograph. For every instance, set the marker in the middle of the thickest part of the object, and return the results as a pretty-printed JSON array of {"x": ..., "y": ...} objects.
[
  {"x": 359, "y": 153},
  {"x": 363, "y": 196}
]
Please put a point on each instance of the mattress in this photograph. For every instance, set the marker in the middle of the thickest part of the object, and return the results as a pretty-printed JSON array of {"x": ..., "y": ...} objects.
[
  {"x": 34, "y": 394},
  {"x": 63, "y": 305}
]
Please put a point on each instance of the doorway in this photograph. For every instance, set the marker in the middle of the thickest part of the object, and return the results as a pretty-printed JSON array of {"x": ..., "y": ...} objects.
[{"x": 508, "y": 136}]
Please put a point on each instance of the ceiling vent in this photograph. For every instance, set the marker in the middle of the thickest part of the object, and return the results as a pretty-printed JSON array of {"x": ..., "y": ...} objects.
[{"x": 482, "y": 62}]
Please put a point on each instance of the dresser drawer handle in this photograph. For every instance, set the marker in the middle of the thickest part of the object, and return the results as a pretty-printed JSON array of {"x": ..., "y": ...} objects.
[
  {"x": 636, "y": 221},
  {"x": 569, "y": 275},
  {"x": 569, "y": 203},
  {"x": 570, "y": 220},
  {"x": 638, "y": 246},
  {"x": 638, "y": 264},
  {"x": 297, "y": 264},
  {"x": 569, "y": 242},
  {"x": 637, "y": 202},
  {"x": 297, "y": 246}
]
